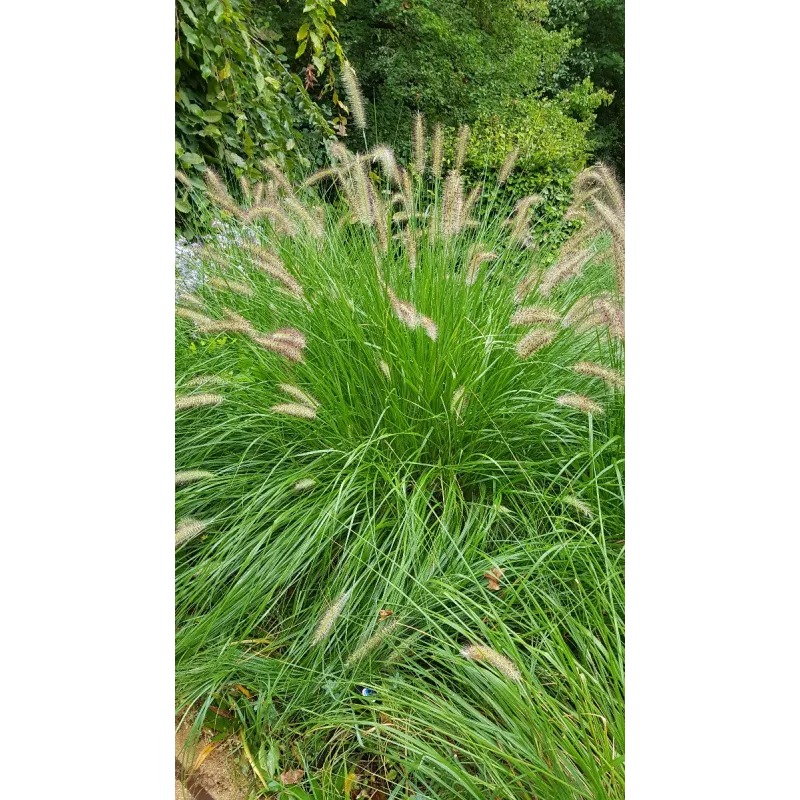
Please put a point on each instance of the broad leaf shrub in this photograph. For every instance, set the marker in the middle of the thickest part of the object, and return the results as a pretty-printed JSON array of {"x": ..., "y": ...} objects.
[
  {"x": 400, "y": 485},
  {"x": 236, "y": 99}
]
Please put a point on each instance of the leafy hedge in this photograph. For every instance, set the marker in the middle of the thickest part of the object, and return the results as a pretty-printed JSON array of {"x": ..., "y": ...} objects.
[{"x": 237, "y": 100}]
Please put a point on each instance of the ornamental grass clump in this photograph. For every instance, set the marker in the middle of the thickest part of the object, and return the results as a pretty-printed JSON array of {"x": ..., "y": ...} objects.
[{"x": 389, "y": 359}]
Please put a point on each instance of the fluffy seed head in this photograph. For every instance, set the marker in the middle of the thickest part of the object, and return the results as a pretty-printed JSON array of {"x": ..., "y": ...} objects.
[
  {"x": 580, "y": 402},
  {"x": 534, "y": 315},
  {"x": 578, "y": 505},
  {"x": 481, "y": 652},
  {"x": 526, "y": 285},
  {"x": 190, "y": 299},
  {"x": 304, "y": 484},
  {"x": 299, "y": 395},
  {"x": 613, "y": 219},
  {"x": 385, "y": 156},
  {"x": 207, "y": 380},
  {"x": 520, "y": 217},
  {"x": 294, "y": 410},
  {"x": 191, "y": 475},
  {"x": 371, "y": 643},
  {"x": 568, "y": 267},
  {"x": 459, "y": 401},
  {"x": 281, "y": 347},
  {"x": 384, "y": 367},
  {"x": 508, "y": 166},
  {"x": 580, "y": 309},
  {"x": 329, "y": 618},
  {"x": 429, "y": 326},
  {"x": 272, "y": 169},
  {"x": 281, "y": 221},
  {"x": 247, "y": 189},
  {"x": 182, "y": 177},
  {"x": 183, "y": 402},
  {"x": 418, "y": 143},
  {"x": 269, "y": 262},
  {"x": 612, "y": 315},
  {"x": 437, "y": 150},
  {"x": 533, "y": 341},
  {"x": 311, "y": 223},
  {"x": 319, "y": 175},
  {"x": 410, "y": 242},
  {"x": 227, "y": 285},
  {"x": 479, "y": 255},
  {"x": 353, "y": 91},
  {"x": 193, "y": 316},
  {"x": 290, "y": 335},
  {"x": 453, "y": 204},
  {"x": 219, "y": 193},
  {"x": 461, "y": 146},
  {"x": 610, "y": 376},
  {"x": 187, "y": 529}
]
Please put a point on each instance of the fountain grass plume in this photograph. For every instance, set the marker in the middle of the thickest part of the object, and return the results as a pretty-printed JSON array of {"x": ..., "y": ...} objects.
[
  {"x": 580, "y": 402},
  {"x": 504, "y": 665},
  {"x": 183, "y": 402},
  {"x": 437, "y": 150},
  {"x": 298, "y": 394},
  {"x": 187, "y": 529},
  {"x": 328, "y": 620},
  {"x": 462, "y": 143},
  {"x": 535, "y": 315},
  {"x": 191, "y": 476},
  {"x": 298, "y": 410},
  {"x": 355, "y": 98},
  {"x": 533, "y": 341},
  {"x": 418, "y": 143},
  {"x": 589, "y": 368}
]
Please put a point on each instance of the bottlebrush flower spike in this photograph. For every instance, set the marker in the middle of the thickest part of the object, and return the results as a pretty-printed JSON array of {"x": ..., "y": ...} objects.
[{"x": 580, "y": 402}]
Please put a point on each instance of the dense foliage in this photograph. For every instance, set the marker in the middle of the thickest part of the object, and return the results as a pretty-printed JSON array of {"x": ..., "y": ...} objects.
[
  {"x": 600, "y": 26},
  {"x": 237, "y": 97},
  {"x": 491, "y": 64}
]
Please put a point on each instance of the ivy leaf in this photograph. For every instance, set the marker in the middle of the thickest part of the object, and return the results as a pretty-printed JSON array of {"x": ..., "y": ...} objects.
[
  {"x": 225, "y": 72},
  {"x": 301, "y": 49},
  {"x": 212, "y": 116},
  {"x": 303, "y": 32},
  {"x": 189, "y": 34},
  {"x": 191, "y": 159}
]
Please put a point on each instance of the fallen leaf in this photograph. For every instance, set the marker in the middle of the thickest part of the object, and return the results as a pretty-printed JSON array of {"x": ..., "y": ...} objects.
[
  {"x": 243, "y": 691},
  {"x": 384, "y": 613},
  {"x": 203, "y": 755},
  {"x": 291, "y": 776},
  {"x": 493, "y": 576}
]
